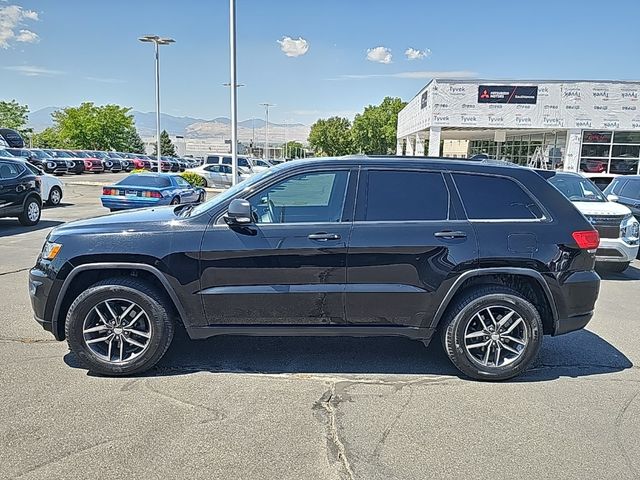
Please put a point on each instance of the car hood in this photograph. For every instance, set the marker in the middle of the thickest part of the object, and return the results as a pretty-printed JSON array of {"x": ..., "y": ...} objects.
[
  {"x": 125, "y": 222},
  {"x": 602, "y": 208}
]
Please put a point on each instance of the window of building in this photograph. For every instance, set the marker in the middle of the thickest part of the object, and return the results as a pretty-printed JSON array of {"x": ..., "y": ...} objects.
[
  {"x": 495, "y": 198},
  {"x": 611, "y": 152},
  {"x": 406, "y": 195}
]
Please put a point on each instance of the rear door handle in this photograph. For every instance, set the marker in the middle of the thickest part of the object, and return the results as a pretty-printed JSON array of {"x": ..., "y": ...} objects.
[
  {"x": 323, "y": 237},
  {"x": 450, "y": 234}
]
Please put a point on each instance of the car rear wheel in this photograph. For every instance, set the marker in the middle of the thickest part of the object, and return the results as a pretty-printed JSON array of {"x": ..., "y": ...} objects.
[
  {"x": 119, "y": 326},
  {"x": 55, "y": 196},
  {"x": 31, "y": 212},
  {"x": 492, "y": 333},
  {"x": 175, "y": 201},
  {"x": 201, "y": 197}
]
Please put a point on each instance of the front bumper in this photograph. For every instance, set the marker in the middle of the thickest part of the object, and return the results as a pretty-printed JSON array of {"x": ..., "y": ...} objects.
[
  {"x": 616, "y": 250},
  {"x": 39, "y": 289}
]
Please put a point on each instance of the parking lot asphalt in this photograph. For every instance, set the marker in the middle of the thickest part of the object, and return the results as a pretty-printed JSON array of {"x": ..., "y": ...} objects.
[{"x": 312, "y": 408}]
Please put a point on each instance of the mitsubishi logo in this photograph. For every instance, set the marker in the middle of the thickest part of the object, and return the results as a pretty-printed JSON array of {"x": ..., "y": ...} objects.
[{"x": 485, "y": 94}]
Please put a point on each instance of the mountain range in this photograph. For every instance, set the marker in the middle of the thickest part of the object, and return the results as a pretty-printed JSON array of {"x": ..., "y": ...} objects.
[{"x": 191, "y": 127}]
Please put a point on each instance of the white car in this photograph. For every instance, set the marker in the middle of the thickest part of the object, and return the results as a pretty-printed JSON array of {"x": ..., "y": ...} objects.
[
  {"x": 260, "y": 165},
  {"x": 217, "y": 175},
  {"x": 51, "y": 187},
  {"x": 618, "y": 228}
]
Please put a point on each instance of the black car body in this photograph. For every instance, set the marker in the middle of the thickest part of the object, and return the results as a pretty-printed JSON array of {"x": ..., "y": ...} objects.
[
  {"x": 19, "y": 192},
  {"x": 349, "y": 246},
  {"x": 627, "y": 190},
  {"x": 112, "y": 162},
  {"x": 12, "y": 138},
  {"x": 73, "y": 164}
]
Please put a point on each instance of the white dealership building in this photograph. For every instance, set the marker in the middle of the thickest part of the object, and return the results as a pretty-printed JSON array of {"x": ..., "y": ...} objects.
[{"x": 582, "y": 125}]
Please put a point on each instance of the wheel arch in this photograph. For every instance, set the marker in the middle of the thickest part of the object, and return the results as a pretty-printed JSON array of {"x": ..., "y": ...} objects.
[
  {"x": 84, "y": 275},
  {"x": 527, "y": 281}
]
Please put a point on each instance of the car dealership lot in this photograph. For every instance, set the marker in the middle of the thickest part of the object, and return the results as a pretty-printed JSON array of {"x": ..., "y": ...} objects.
[{"x": 233, "y": 407}]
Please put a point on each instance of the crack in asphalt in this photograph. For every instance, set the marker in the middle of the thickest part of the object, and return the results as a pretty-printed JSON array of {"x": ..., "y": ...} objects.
[
  {"x": 217, "y": 414},
  {"x": 385, "y": 434},
  {"x": 621, "y": 446},
  {"x": 328, "y": 403},
  {"x": 27, "y": 340},
  {"x": 15, "y": 271}
]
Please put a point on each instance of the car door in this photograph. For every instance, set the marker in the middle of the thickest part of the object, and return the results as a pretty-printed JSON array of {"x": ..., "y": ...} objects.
[
  {"x": 407, "y": 239},
  {"x": 289, "y": 266},
  {"x": 9, "y": 185},
  {"x": 187, "y": 192}
]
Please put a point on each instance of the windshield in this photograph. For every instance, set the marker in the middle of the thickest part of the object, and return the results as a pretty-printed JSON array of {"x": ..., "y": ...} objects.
[
  {"x": 5, "y": 153},
  {"x": 40, "y": 154},
  {"x": 60, "y": 154},
  {"x": 232, "y": 192},
  {"x": 577, "y": 189}
]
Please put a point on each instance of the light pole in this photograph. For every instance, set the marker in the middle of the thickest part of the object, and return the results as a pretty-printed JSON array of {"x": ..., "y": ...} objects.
[
  {"x": 157, "y": 41},
  {"x": 266, "y": 131},
  {"x": 234, "y": 92}
]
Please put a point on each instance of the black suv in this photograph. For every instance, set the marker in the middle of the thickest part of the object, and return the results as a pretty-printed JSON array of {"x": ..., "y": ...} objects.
[
  {"x": 486, "y": 256},
  {"x": 625, "y": 189},
  {"x": 19, "y": 192}
]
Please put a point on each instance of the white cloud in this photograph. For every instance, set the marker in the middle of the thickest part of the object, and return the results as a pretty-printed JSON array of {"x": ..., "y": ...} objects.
[
  {"x": 412, "y": 75},
  {"x": 293, "y": 47},
  {"x": 33, "y": 71},
  {"x": 12, "y": 17},
  {"x": 414, "y": 54},
  {"x": 379, "y": 54},
  {"x": 27, "y": 36}
]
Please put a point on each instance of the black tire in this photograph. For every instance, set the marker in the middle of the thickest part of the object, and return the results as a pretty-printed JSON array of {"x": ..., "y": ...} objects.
[
  {"x": 463, "y": 312},
  {"x": 612, "y": 267},
  {"x": 175, "y": 201},
  {"x": 202, "y": 197},
  {"x": 131, "y": 289},
  {"x": 54, "y": 199},
  {"x": 27, "y": 218}
]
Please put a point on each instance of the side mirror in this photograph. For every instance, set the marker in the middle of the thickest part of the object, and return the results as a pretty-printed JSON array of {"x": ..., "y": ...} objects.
[
  {"x": 613, "y": 198},
  {"x": 239, "y": 212}
]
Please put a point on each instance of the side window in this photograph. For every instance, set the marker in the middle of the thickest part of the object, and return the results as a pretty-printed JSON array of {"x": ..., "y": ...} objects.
[
  {"x": 9, "y": 170},
  {"x": 226, "y": 169},
  {"x": 226, "y": 160},
  {"x": 212, "y": 168},
  {"x": 309, "y": 197},
  {"x": 495, "y": 198},
  {"x": 243, "y": 162},
  {"x": 631, "y": 189},
  {"x": 394, "y": 195},
  {"x": 182, "y": 182}
]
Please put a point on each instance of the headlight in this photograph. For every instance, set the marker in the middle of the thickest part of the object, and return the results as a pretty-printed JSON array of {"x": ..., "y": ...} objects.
[
  {"x": 50, "y": 250},
  {"x": 630, "y": 228}
]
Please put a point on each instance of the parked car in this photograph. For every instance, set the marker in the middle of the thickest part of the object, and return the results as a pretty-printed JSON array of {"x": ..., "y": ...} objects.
[
  {"x": 149, "y": 190},
  {"x": 74, "y": 165},
  {"x": 593, "y": 166},
  {"x": 11, "y": 138},
  {"x": 111, "y": 163},
  {"x": 36, "y": 157},
  {"x": 601, "y": 180},
  {"x": 91, "y": 162},
  {"x": 259, "y": 165},
  {"x": 40, "y": 158},
  {"x": 139, "y": 161},
  {"x": 125, "y": 164},
  {"x": 217, "y": 175},
  {"x": 486, "y": 257},
  {"x": 51, "y": 187},
  {"x": 174, "y": 166},
  {"x": 619, "y": 230},
  {"x": 625, "y": 190},
  {"x": 19, "y": 192},
  {"x": 243, "y": 163}
]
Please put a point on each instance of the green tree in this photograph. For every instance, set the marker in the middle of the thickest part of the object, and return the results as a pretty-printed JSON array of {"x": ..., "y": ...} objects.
[
  {"x": 134, "y": 143},
  {"x": 15, "y": 116},
  {"x": 331, "y": 136},
  {"x": 293, "y": 149},
  {"x": 48, "y": 138},
  {"x": 107, "y": 127},
  {"x": 166, "y": 146},
  {"x": 374, "y": 130}
]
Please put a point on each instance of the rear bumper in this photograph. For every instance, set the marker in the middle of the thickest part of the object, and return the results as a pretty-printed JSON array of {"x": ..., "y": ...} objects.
[
  {"x": 118, "y": 202},
  {"x": 576, "y": 301}
]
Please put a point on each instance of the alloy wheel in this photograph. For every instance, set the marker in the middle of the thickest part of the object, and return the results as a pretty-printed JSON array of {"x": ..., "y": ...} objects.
[
  {"x": 33, "y": 212},
  {"x": 117, "y": 330},
  {"x": 54, "y": 197},
  {"x": 496, "y": 336}
]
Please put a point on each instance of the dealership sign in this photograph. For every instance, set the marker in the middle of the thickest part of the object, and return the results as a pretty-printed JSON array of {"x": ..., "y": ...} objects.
[{"x": 507, "y": 94}]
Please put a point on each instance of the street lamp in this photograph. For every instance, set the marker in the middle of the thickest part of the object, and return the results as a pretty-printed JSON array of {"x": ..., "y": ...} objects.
[
  {"x": 157, "y": 41},
  {"x": 266, "y": 126}
]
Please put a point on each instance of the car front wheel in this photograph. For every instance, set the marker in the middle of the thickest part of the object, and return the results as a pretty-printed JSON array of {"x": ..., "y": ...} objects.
[
  {"x": 119, "y": 326},
  {"x": 492, "y": 333}
]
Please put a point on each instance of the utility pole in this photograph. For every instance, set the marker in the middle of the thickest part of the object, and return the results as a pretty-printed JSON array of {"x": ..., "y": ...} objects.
[
  {"x": 266, "y": 131},
  {"x": 234, "y": 92}
]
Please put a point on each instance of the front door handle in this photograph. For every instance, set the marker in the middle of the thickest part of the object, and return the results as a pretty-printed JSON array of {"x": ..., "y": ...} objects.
[
  {"x": 323, "y": 237},
  {"x": 450, "y": 234}
]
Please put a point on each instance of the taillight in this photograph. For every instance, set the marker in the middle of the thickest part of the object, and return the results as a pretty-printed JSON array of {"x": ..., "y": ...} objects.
[
  {"x": 155, "y": 194},
  {"x": 109, "y": 191},
  {"x": 587, "y": 239}
]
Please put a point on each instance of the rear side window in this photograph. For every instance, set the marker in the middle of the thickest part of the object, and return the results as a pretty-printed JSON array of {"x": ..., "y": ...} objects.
[
  {"x": 10, "y": 170},
  {"x": 394, "y": 195},
  {"x": 631, "y": 189},
  {"x": 495, "y": 198}
]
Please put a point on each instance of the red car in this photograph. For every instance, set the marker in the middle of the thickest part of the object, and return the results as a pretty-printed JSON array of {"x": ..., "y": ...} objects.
[
  {"x": 91, "y": 162},
  {"x": 140, "y": 162}
]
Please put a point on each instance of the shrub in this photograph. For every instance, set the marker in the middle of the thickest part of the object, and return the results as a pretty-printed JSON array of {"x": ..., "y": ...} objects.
[
  {"x": 138, "y": 170},
  {"x": 194, "y": 179}
]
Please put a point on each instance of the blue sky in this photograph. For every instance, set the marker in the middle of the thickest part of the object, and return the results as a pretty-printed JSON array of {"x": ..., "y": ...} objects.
[{"x": 63, "y": 52}]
